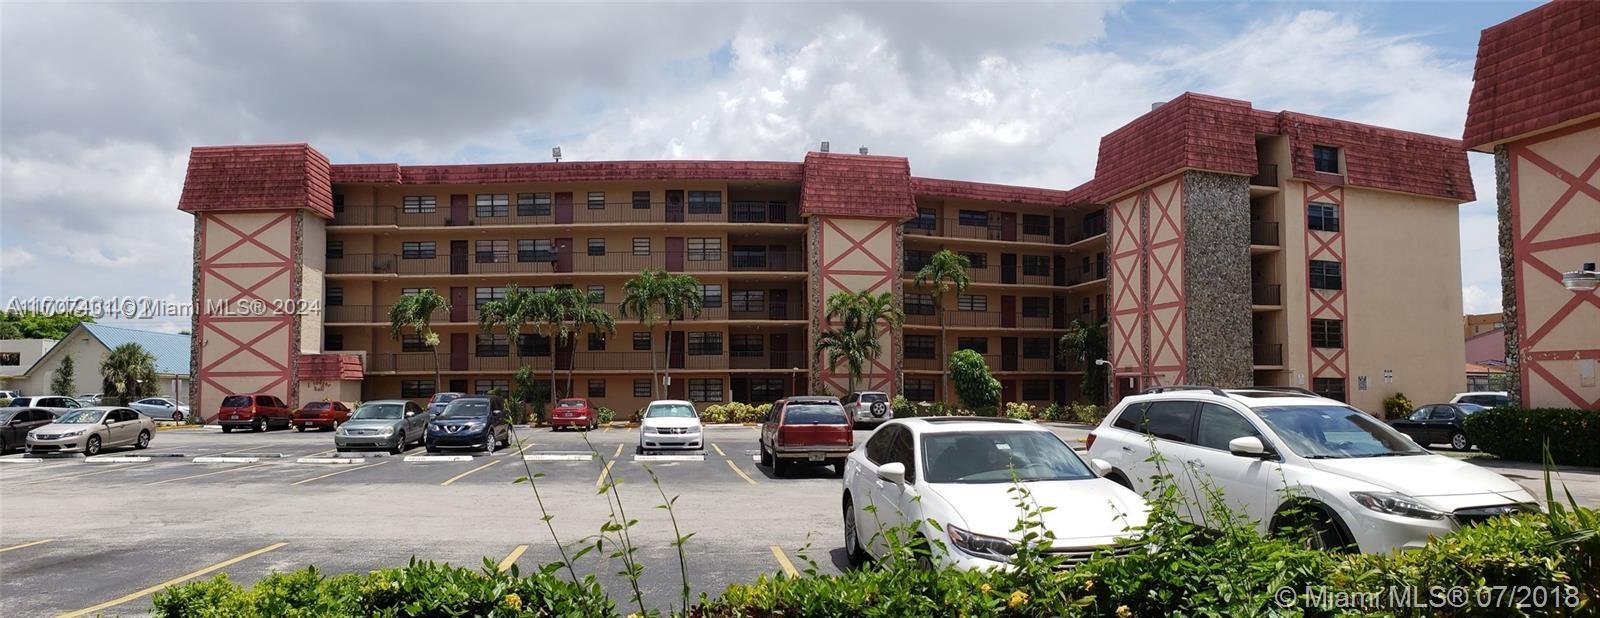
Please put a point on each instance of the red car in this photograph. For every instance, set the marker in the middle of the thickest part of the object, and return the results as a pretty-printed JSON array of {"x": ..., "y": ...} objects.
[
  {"x": 256, "y": 411},
  {"x": 802, "y": 430},
  {"x": 322, "y": 415},
  {"x": 574, "y": 412}
]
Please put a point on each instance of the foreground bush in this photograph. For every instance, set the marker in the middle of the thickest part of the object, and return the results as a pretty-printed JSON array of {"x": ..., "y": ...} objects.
[{"x": 1520, "y": 435}]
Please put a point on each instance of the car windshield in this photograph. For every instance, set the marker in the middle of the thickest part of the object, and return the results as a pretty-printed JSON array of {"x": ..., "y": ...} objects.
[
  {"x": 236, "y": 401},
  {"x": 1469, "y": 408},
  {"x": 6, "y": 414},
  {"x": 380, "y": 411},
  {"x": 1000, "y": 456},
  {"x": 1335, "y": 432},
  {"x": 81, "y": 417},
  {"x": 466, "y": 408},
  {"x": 814, "y": 414},
  {"x": 570, "y": 403},
  {"x": 317, "y": 405},
  {"x": 670, "y": 410}
]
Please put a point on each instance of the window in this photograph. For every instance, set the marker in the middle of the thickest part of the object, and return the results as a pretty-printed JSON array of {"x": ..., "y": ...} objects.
[
  {"x": 641, "y": 200},
  {"x": 597, "y": 388},
  {"x": 1219, "y": 425},
  {"x": 745, "y": 346},
  {"x": 418, "y": 250},
  {"x": 705, "y": 203},
  {"x": 708, "y": 389},
  {"x": 416, "y": 389},
  {"x": 411, "y": 291},
  {"x": 494, "y": 204},
  {"x": 597, "y": 294},
  {"x": 1169, "y": 420},
  {"x": 1036, "y": 225},
  {"x": 1036, "y": 307},
  {"x": 597, "y": 342},
  {"x": 765, "y": 390},
  {"x": 749, "y": 256},
  {"x": 919, "y": 346},
  {"x": 641, "y": 341},
  {"x": 1325, "y": 275},
  {"x": 597, "y": 200},
  {"x": 705, "y": 249},
  {"x": 533, "y": 204},
  {"x": 491, "y": 251},
  {"x": 534, "y": 345},
  {"x": 493, "y": 346},
  {"x": 1036, "y": 390},
  {"x": 925, "y": 220},
  {"x": 1036, "y": 265},
  {"x": 976, "y": 261},
  {"x": 1327, "y": 333},
  {"x": 705, "y": 344},
  {"x": 747, "y": 212},
  {"x": 1035, "y": 347},
  {"x": 330, "y": 341},
  {"x": 917, "y": 303},
  {"x": 484, "y": 295},
  {"x": 641, "y": 387},
  {"x": 1087, "y": 266},
  {"x": 748, "y": 301},
  {"x": 916, "y": 259},
  {"x": 335, "y": 296},
  {"x": 972, "y": 302},
  {"x": 535, "y": 250},
  {"x": 485, "y": 387},
  {"x": 710, "y": 295},
  {"x": 1332, "y": 388},
  {"x": 976, "y": 344},
  {"x": 641, "y": 246},
  {"x": 335, "y": 249},
  {"x": 1326, "y": 158},
  {"x": 597, "y": 247},
  {"x": 419, "y": 204},
  {"x": 919, "y": 389},
  {"x": 1322, "y": 217},
  {"x": 976, "y": 218}
]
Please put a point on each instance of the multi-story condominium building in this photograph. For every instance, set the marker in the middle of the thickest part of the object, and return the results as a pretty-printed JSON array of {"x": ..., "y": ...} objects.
[{"x": 1217, "y": 244}]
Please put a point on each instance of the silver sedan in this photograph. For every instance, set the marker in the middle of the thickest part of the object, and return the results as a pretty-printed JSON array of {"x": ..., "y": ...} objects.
[
  {"x": 90, "y": 430},
  {"x": 161, "y": 408}
]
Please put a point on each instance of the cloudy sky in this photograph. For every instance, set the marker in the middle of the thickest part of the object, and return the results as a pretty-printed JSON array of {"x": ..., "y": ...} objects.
[{"x": 100, "y": 104}]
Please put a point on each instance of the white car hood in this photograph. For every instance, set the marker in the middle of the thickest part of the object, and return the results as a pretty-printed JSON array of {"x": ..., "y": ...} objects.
[
  {"x": 1422, "y": 476},
  {"x": 60, "y": 428},
  {"x": 671, "y": 421},
  {"x": 1096, "y": 510}
]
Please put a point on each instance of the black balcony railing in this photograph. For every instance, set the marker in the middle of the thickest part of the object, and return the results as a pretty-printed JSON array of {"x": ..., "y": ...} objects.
[
  {"x": 982, "y": 319},
  {"x": 379, "y": 314},
  {"x": 1266, "y": 175},
  {"x": 1268, "y": 354},
  {"x": 991, "y": 229},
  {"x": 1264, "y": 233},
  {"x": 578, "y": 360},
  {"x": 738, "y": 211},
  {"x": 498, "y": 263},
  {"x": 1266, "y": 294}
]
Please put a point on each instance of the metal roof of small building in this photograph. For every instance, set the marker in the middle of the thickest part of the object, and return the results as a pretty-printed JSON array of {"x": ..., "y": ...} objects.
[{"x": 171, "y": 350}]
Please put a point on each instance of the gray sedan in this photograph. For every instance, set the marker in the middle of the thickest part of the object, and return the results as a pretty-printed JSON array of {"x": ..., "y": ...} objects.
[
  {"x": 161, "y": 408},
  {"x": 390, "y": 424},
  {"x": 89, "y": 430}
]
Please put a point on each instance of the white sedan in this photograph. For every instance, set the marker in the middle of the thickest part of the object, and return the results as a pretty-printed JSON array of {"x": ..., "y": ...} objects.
[
  {"x": 958, "y": 472},
  {"x": 161, "y": 408},
  {"x": 669, "y": 424}
]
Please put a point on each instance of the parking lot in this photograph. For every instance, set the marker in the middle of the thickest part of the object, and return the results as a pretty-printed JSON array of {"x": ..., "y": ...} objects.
[{"x": 85, "y": 536}]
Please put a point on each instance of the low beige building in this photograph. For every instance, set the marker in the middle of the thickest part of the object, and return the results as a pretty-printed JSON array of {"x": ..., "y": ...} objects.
[{"x": 88, "y": 345}]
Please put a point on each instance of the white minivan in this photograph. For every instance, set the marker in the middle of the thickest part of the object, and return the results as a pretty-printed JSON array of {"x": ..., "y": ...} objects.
[{"x": 1286, "y": 457}]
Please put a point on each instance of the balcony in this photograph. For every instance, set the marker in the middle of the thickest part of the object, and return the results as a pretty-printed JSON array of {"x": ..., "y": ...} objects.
[
  {"x": 1268, "y": 354},
  {"x": 422, "y": 362},
  {"x": 1267, "y": 294},
  {"x": 1266, "y": 175},
  {"x": 1264, "y": 233},
  {"x": 741, "y": 212},
  {"x": 504, "y": 263},
  {"x": 772, "y": 359},
  {"x": 992, "y": 230},
  {"x": 379, "y": 314},
  {"x": 1091, "y": 229},
  {"x": 981, "y": 319},
  {"x": 996, "y": 363}
]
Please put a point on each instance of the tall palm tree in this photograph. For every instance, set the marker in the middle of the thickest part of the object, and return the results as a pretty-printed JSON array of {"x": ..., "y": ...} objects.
[
  {"x": 129, "y": 371},
  {"x": 516, "y": 310},
  {"x": 854, "y": 346},
  {"x": 680, "y": 298},
  {"x": 415, "y": 311},
  {"x": 858, "y": 314},
  {"x": 946, "y": 271},
  {"x": 548, "y": 317},
  {"x": 639, "y": 296},
  {"x": 582, "y": 318}
]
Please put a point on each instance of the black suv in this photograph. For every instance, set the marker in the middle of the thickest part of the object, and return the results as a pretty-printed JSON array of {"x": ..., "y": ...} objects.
[{"x": 470, "y": 422}]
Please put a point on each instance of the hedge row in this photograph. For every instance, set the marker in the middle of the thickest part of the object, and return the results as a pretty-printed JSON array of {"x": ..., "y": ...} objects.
[{"x": 1520, "y": 435}]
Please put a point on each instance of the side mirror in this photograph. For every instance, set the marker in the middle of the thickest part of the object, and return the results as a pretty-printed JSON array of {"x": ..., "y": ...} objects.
[
  {"x": 1101, "y": 466},
  {"x": 894, "y": 472},
  {"x": 410, "y": 413},
  {"x": 1248, "y": 446}
]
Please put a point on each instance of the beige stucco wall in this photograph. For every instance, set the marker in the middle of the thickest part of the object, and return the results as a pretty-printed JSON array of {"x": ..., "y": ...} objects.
[
  {"x": 1149, "y": 219},
  {"x": 217, "y": 356},
  {"x": 847, "y": 268},
  {"x": 314, "y": 236}
]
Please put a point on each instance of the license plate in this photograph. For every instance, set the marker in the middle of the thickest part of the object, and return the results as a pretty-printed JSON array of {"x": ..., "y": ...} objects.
[{"x": 816, "y": 456}]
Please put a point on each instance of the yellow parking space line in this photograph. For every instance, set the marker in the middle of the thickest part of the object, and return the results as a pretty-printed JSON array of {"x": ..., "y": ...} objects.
[
  {"x": 318, "y": 478},
  {"x": 63, "y": 477},
  {"x": 739, "y": 472},
  {"x": 605, "y": 472},
  {"x": 39, "y": 542},
  {"x": 718, "y": 449},
  {"x": 171, "y": 582},
  {"x": 521, "y": 450},
  {"x": 464, "y": 474},
  {"x": 511, "y": 558},
  {"x": 783, "y": 561},
  {"x": 195, "y": 476},
  {"x": 619, "y": 451}
]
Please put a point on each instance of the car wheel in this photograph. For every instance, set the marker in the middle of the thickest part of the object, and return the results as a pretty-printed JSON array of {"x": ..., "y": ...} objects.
[
  {"x": 258, "y": 425},
  {"x": 505, "y": 439},
  {"x": 779, "y": 467},
  {"x": 300, "y": 428},
  {"x": 838, "y": 469},
  {"x": 638, "y": 450},
  {"x": 227, "y": 429},
  {"x": 766, "y": 457},
  {"x": 1315, "y": 529},
  {"x": 399, "y": 444},
  {"x": 852, "y": 537},
  {"x": 1458, "y": 441},
  {"x": 92, "y": 447},
  {"x": 177, "y": 417},
  {"x": 144, "y": 440},
  {"x": 4, "y": 448},
  {"x": 922, "y": 551},
  {"x": 433, "y": 449}
]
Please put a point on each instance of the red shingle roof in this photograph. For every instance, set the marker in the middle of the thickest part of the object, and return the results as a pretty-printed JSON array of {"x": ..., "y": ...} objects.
[
  {"x": 330, "y": 367},
  {"x": 1192, "y": 131},
  {"x": 857, "y": 185},
  {"x": 1536, "y": 70},
  {"x": 264, "y": 177},
  {"x": 567, "y": 172},
  {"x": 1381, "y": 158},
  {"x": 961, "y": 189}
]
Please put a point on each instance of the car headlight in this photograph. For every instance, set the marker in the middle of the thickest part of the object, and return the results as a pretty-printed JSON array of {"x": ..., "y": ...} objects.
[
  {"x": 694, "y": 429},
  {"x": 387, "y": 430},
  {"x": 70, "y": 434},
  {"x": 1391, "y": 503},
  {"x": 986, "y": 547}
]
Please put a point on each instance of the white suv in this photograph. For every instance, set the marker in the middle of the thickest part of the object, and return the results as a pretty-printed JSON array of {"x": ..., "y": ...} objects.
[{"x": 1286, "y": 457}]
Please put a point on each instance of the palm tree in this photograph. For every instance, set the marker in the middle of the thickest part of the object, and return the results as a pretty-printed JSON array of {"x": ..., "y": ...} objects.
[
  {"x": 658, "y": 295},
  {"x": 582, "y": 317},
  {"x": 854, "y": 346},
  {"x": 856, "y": 339},
  {"x": 1086, "y": 344},
  {"x": 129, "y": 371},
  {"x": 639, "y": 296},
  {"x": 680, "y": 298},
  {"x": 547, "y": 314},
  {"x": 947, "y": 270},
  {"x": 518, "y": 308},
  {"x": 415, "y": 311}
]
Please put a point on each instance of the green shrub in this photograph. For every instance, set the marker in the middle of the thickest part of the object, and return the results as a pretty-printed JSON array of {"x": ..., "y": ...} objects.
[
  {"x": 1510, "y": 433},
  {"x": 1087, "y": 413},
  {"x": 974, "y": 385},
  {"x": 605, "y": 415},
  {"x": 1396, "y": 406},
  {"x": 1021, "y": 411},
  {"x": 714, "y": 413}
]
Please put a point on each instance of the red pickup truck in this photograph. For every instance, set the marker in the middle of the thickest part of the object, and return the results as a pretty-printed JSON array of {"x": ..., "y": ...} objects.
[
  {"x": 811, "y": 429},
  {"x": 256, "y": 411}
]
